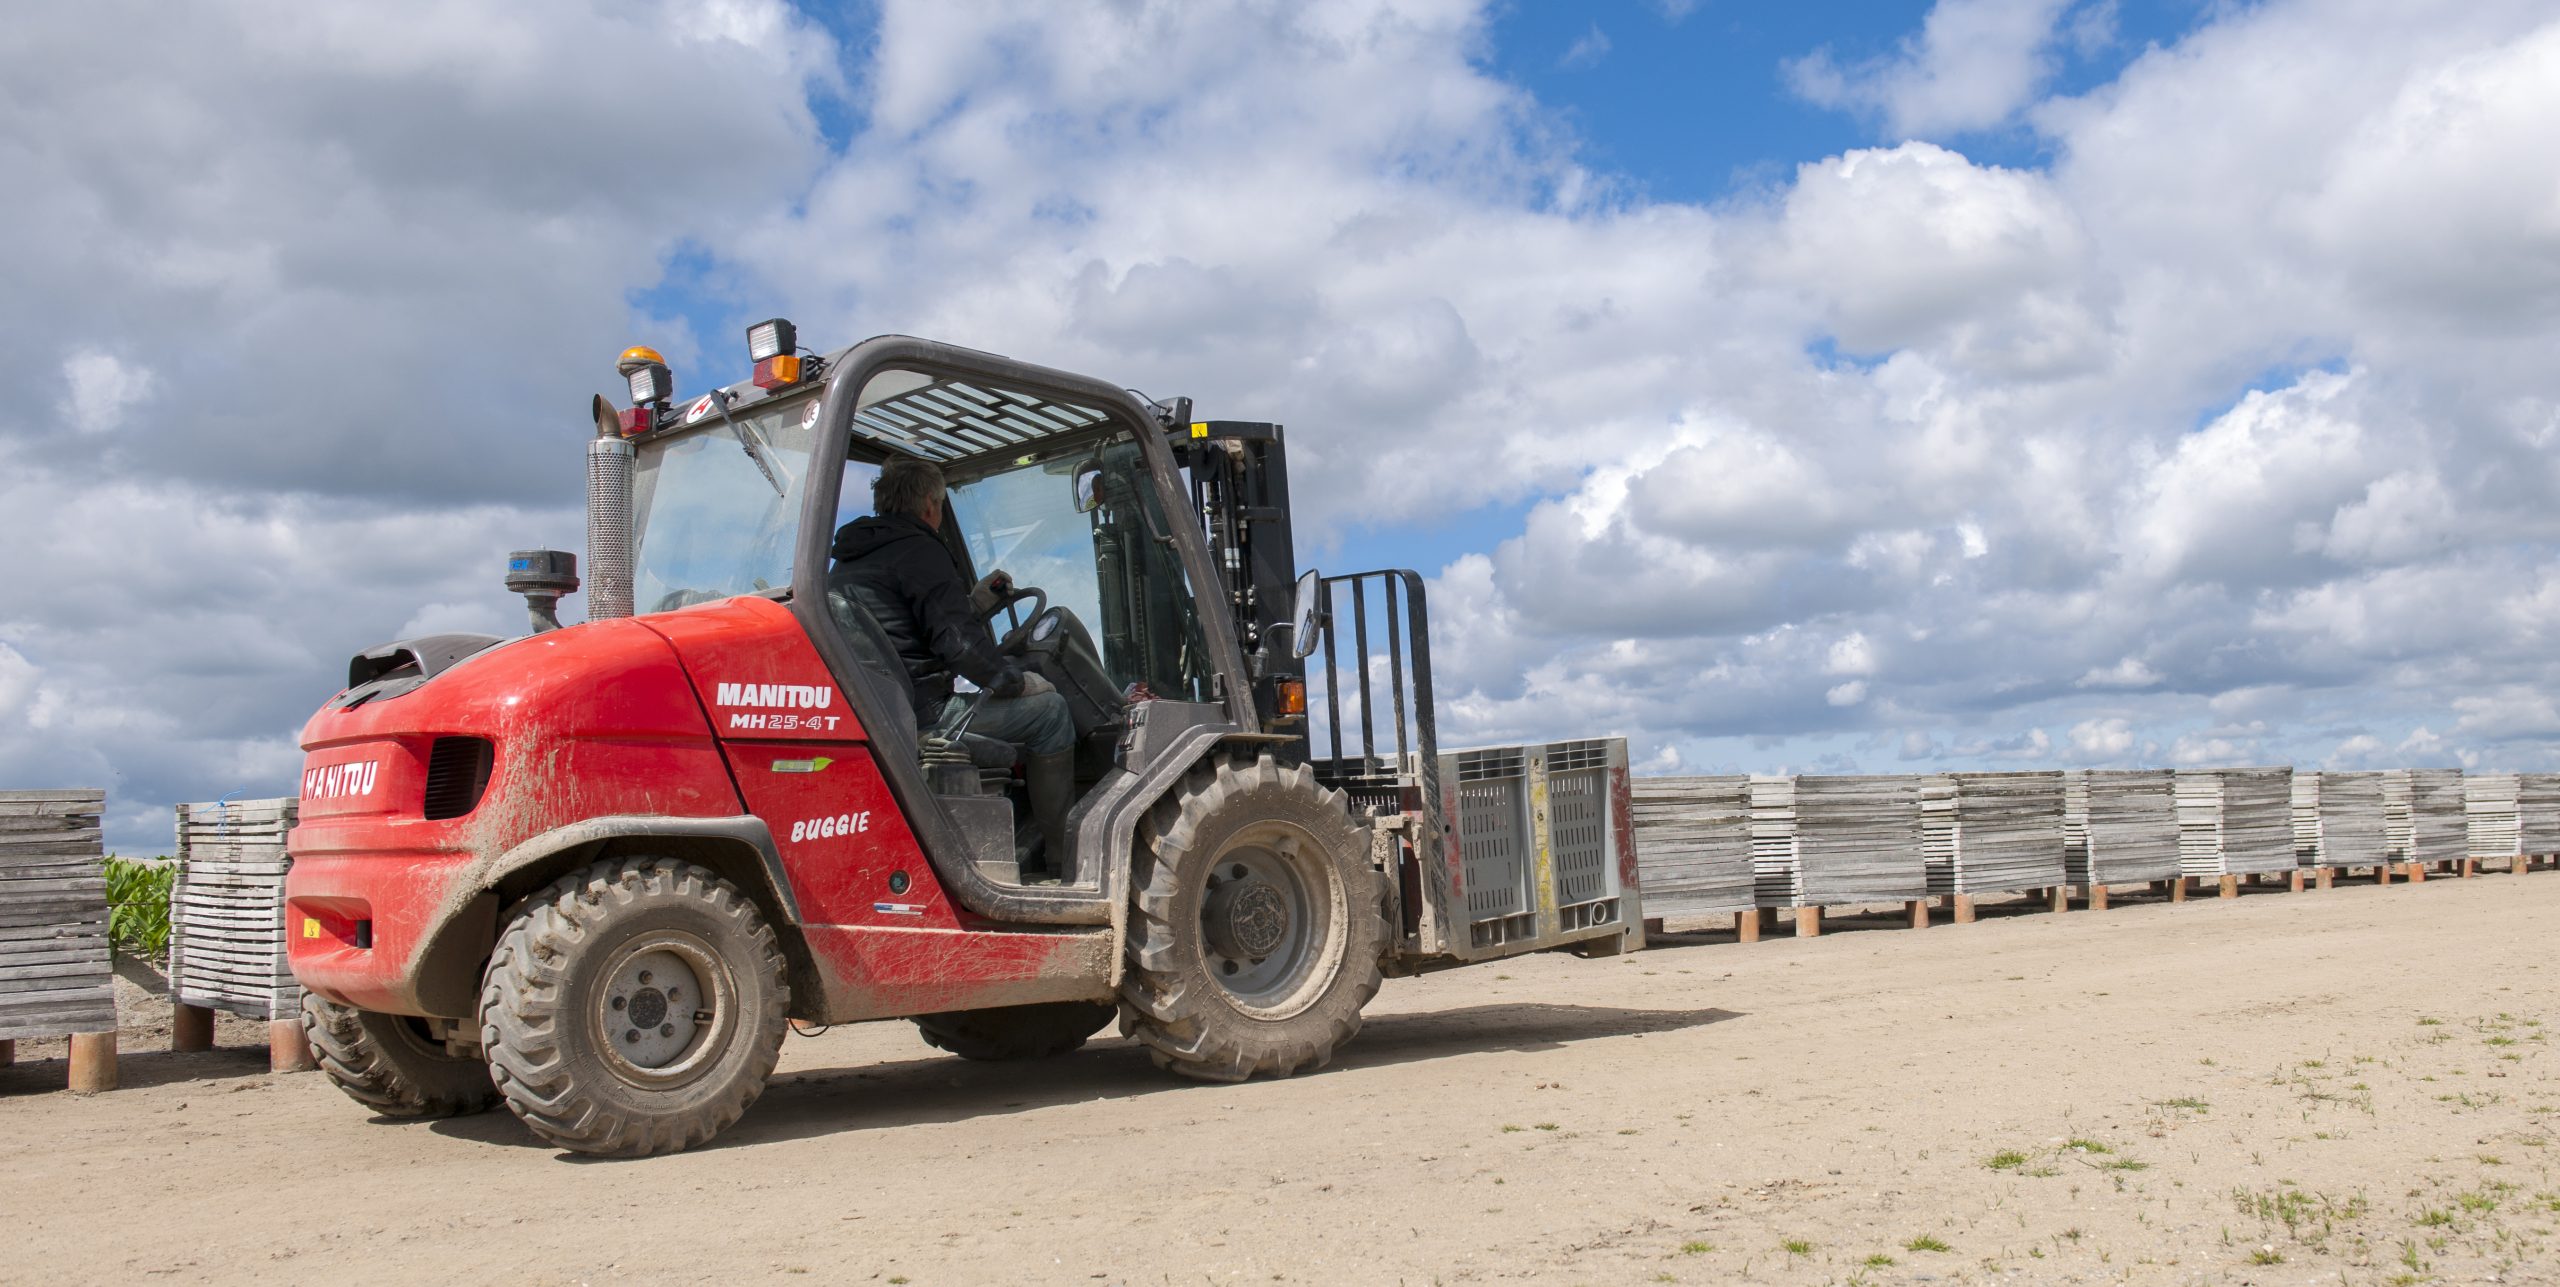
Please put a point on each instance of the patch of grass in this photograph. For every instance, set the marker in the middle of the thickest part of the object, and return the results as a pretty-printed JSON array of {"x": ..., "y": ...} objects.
[
  {"x": 2123, "y": 1164},
  {"x": 1513, "y": 1130},
  {"x": 1926, "y": 1243},
  {"x": 2266, "y": 1256},
  {"x": 1797, "y": 1247},
  {"x": 2476, "y": 1202},
  {"x": 2499, "y": 1041},
  {"x": 1879, "y": 1261},
  {"x": 1693, "y": 1247},
  {"x": 2491, "y": 1159},
  {"x": 2430, "y": 1023},
  {"x": 1549, "y": 1126},
  {"x": 2007, "y": 1159},
  {"x": 2434, "y": 1218},
  {"x": 2188, "y": 1102},
  {"x": 1629, "y": 1130},
  {"x": 2088, "y": 1146}
]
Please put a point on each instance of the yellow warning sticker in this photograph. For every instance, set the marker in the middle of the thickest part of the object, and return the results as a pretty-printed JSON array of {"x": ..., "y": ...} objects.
[
  {"x": 310, "y": 927},
  {"x": 1200, "y": 429}
]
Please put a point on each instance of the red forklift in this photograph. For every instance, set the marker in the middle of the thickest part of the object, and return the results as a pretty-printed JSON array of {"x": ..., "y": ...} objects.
[{"x": 596, "y": 871}]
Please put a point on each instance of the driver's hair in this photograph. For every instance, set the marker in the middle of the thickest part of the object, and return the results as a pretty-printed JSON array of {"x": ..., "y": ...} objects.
[{"x": 907, "y": 486}]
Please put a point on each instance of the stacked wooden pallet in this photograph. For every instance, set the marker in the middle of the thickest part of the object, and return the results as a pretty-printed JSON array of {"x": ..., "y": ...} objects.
[
  {"x": 1693, "y": 845},
  {"x": 2538, "y": 812},
  {"x": 1773, "y": 841},
  {"x": 2120, "y": 827},
  {"x": 2347, "y": 826},
  {"x": 1989, "y": 832},
  {"x": 2489, "y": 815},
  {"x": 2234, "y": 822},
  {"x": 226, "y": 917},
  {"x": 55, "y": 974},
  {"x": 1857, "y": 840},
  {"x": 2424, "y": 811}
]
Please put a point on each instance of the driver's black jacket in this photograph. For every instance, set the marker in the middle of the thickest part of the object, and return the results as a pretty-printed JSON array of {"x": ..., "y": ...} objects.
[{"x": 907, "y": 580}]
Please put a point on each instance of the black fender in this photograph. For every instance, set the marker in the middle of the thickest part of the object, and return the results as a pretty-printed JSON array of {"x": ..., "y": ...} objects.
[{"x": 458, "y": 939}]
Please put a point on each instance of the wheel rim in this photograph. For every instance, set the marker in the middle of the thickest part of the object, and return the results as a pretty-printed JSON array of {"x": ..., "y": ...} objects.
[
  {"x": 1268, "y": 920},
  {"x": 664, "y": 1010}
]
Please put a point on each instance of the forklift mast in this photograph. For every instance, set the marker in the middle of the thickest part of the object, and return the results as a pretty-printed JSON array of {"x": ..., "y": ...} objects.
[{"x": 1238, "y": 476}]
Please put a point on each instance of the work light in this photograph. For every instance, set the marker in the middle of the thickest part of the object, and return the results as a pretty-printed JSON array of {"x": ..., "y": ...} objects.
[{"x": 773, "y": 338}]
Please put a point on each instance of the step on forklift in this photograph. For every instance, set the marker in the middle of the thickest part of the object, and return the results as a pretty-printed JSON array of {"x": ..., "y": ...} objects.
[{"x": 596, "y": 871}]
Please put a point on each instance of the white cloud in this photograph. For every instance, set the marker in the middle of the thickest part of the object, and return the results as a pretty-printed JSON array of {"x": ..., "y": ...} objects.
[
  {"x": 1586, "y": 51},
  {"x": 2129, "y": 672},
  {"x": 1848, "y": 694},
  {"x": 101, "y": 388},
  {"x": 1973, "y": 65},
  {"x": 2102, "y": 739}
]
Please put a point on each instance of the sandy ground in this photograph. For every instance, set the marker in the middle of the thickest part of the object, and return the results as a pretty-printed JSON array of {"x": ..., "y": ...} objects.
[{"x": 2351, "y": 1086}]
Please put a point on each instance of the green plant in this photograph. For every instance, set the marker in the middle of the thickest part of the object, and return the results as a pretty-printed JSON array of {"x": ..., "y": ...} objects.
[
  {"x": 1693, "y": 1247},
  {"x": 1925, "y": 1243},
  {"x": 1797, "y": 1247},
  {"x": 138, "y": 906},
  {"x": 1879, "y": 1261},
  {"x": 2007, "y": 1159},
  {"x": 2266, "y": 1256}
]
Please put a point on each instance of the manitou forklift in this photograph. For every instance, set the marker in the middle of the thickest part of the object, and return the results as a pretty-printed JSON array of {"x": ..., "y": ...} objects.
[{"x": 596, "y": 871}]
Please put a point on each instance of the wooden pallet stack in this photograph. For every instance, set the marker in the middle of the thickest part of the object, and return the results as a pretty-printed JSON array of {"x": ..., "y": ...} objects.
[
  {"x": 2538, "y": 813},
  {"x": 1988, "y": 833},
  {"x": 57, "y": 977},
  {"x": 2424, "y": 811},
  {"x": 2120, "y": 827},
  {"x": 2347, "y": 823},
  {"x": 2234, "y": 823},
  {"x": 1693, "y": 846},
  {"x": 1857, "y": 841},
  {"x": 2490, "y": 821},
  {"x": 226, "y": 925}
]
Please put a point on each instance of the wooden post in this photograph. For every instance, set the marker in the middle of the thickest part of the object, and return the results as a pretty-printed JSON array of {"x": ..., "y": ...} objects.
[
  {"x": 1808, "y": 922},
  {"x": 1746, "y": 925},
  {"x": 8, "y": 1052},
  {"x": 93, "y": 1062},
  {"x": 2059, "y": 898},
  {"x": 1964, "y": 908},
  {"x": 2467, "y": 867},
  {"x": 2230, "y": 887},
  {"x": 1653, "y": 925},
  {"x": 2295, "y": 887},
  {"x": 287, "y": 1051},
  {"x": 1920, "y": 913},
  {"x": 2097, "y": 898},
  {"x": 2382, "y": 874},
  {"x": 2177, "y": 889},
  {"x": 2320, "y": 877},
  {"x": 2519, "y": 865},
  {"x": 190, "y": 1027},
  {"x": 2417, "y": 873}
]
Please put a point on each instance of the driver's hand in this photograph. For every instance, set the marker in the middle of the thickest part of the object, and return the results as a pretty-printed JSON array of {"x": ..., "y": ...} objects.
[{"x": 990, "y": 591}]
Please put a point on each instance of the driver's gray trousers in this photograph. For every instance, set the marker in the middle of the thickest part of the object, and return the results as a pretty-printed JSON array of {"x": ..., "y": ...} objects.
[{"x": 1038, "y": 724}]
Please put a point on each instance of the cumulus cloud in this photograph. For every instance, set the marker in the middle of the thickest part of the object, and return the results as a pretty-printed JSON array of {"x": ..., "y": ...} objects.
[
  {"x": 1973, "y": 64},
  {"x": 2201, "y": 441}
]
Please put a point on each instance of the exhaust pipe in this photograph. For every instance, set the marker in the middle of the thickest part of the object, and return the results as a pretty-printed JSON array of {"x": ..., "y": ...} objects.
[{"x": 609, "y": 461}]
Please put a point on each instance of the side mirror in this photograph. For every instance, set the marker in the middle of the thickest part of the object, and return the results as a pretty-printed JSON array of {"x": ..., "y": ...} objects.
[
  {"x": 1088, "y": 485},
  {"x": 1307, "y": 615}
]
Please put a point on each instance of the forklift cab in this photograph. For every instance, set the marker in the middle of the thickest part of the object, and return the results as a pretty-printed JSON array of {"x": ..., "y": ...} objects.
[{"x": 1067, "y": 485}]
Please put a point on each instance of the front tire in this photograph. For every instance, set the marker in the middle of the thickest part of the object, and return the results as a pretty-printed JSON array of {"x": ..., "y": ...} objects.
[
  {"x": 1017, "y": 1031},
  {"x": 1258, "y": 926},
  {"x": 389, "y": 1064},
  {"x": 634, "y": 1007}
]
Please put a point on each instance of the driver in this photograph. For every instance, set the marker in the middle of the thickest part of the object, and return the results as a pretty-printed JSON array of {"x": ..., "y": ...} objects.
[{"x": 896, "y": 562}]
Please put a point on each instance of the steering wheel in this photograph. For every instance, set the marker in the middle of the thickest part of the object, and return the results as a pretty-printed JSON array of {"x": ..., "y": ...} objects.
[{"x": 1022, "y": 625}]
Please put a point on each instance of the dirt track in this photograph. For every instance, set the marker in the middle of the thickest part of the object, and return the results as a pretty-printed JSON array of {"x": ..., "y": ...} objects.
[{"x": 2351, "y": 1086}]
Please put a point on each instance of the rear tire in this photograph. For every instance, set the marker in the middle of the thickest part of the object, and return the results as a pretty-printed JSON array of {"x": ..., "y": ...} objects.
[
  {"x": 388, "y": 1064},
  {"x": 1258, "y": 925},
  {"x": 634, "y": 1007},
  {"x": 1017, "y": 1031}
]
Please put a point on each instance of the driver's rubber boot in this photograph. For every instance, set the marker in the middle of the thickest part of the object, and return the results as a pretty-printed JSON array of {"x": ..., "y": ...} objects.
[{"x": 1052, "y": 782}]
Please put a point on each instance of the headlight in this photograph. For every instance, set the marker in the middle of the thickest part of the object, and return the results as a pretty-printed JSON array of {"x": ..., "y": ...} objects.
[{"x": 771, "y": 339}]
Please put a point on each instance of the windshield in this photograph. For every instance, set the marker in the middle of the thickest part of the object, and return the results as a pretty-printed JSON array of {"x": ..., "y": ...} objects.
[
  {"x": 707, "y": 523},
  {"x": 1104, "y": 566}
]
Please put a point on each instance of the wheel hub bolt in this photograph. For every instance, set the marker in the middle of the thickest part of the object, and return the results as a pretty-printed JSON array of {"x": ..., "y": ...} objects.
[
  {"x": 618, "y": 1003},
  {"x": 633, "y": 1035},
  {"x": 666, "y": 1030}
]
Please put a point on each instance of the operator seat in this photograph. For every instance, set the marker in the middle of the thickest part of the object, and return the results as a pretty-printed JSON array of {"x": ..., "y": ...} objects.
[{"x": 894, "y": 691}]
